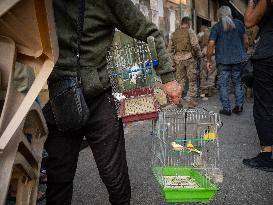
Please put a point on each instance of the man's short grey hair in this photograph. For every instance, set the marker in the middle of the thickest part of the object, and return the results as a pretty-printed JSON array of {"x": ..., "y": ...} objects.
[{"x": 225, "y": 16}]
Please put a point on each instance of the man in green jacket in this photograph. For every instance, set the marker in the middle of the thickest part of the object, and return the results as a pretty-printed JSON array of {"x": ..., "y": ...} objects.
[{"x": 103, "y": 131}]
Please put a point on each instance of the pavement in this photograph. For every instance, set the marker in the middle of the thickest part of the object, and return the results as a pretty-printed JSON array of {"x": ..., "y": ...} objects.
[
  {"x": 238, "y": 140},
  {"x": 241, "y": 186}
]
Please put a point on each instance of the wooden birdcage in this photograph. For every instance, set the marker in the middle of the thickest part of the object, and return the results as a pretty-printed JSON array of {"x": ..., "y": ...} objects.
[{"x": 133, "y": 78}]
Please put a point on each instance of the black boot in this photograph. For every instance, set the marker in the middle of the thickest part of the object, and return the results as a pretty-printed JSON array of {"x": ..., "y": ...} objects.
[
  {"x": 225, "y": 112},
  {"x": 262, "y": 161},
  {"x": 237, "y": 110}
]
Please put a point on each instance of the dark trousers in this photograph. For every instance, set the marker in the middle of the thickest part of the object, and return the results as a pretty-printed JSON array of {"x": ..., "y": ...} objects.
[
  {"x": 104, "y": 133},
  {"x": 263, "y": 100}
]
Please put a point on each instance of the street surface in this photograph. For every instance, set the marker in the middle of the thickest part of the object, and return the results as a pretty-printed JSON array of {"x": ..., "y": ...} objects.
[{"x": 241, "y": 186}]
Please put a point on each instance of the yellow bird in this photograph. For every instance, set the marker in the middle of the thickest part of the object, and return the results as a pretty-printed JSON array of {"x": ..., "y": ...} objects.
[{"x": 210, "y": 136}]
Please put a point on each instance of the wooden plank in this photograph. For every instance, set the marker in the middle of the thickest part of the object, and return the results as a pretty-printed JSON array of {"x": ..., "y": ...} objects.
[
  {"x": 35, "y": 122},
  {"x": 6, "y": 163},
  {"x": 22, "y": 163},
  {"x": 26, "y": 104},
  {"x": 29, "y": 152},
  {"x": 24, "y": 188},
  {"x": 5, "y": 5}
]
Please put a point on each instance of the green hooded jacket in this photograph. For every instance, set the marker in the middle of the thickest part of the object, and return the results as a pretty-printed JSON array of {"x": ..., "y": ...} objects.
[{"x": 101, "y": 19}]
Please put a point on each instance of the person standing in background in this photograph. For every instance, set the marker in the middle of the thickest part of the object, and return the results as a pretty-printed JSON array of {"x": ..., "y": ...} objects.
[
  {"x": 231, "y": 41},
  {"x": 203, "y": 37},
  {"x": 262, "y": 15},
  {"x": 186, "y": 51},
  {"x": 207, "y": 78}
]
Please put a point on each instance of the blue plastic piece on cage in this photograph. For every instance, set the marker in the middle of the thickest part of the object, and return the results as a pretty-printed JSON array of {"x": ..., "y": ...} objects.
[
  {"x": 147, "y": 66},
  {"x": 134, "y": 71},
  {"x": 155, "y": 63},
  {"x": 137, "y": 75}
]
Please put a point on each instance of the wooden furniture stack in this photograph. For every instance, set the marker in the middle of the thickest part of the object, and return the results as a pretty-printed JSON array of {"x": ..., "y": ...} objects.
[{"x": 27, "y": 35}]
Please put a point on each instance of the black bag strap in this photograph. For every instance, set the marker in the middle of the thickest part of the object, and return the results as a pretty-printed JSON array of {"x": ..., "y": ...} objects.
[{"x": 80, "y": 24}]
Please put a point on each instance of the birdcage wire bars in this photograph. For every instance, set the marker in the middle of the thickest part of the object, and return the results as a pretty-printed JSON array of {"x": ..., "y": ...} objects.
[
  {"x": 186, "y": 154},
  {"x": 133, "y": 79}
]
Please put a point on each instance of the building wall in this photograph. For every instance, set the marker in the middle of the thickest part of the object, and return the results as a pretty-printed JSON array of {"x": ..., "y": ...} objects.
[
  {"x": 151, "y": 9},
  {"x": 174, "y": 11},
  {"x": 202, "y": 9},
  {"x": 240, "y": 4},
  {"x": 166, "y": 14}
]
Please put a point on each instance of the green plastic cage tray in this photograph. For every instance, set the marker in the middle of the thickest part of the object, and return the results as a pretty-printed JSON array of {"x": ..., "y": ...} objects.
[{"x": 199, "y": 188}]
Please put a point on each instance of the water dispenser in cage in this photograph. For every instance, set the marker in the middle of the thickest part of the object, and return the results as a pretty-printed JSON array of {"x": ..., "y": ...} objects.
[
  {"x": 186, "y": 154},
  {"x": 134, "y": 82}
]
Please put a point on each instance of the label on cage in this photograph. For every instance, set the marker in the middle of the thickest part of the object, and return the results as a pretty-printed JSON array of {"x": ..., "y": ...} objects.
[
  {"x": 139, "y": 105},
  {"x": 180, "y": 182}
]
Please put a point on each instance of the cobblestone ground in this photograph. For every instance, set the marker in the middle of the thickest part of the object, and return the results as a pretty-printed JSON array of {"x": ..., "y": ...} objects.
[{"x": 241, "y": 186}]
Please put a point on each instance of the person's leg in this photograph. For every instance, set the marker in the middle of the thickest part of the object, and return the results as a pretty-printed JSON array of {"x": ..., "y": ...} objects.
[
  {"x": 239, "y": 89},
  {"x": 212, "y": 76},
  {"x": 181, "y": 78},
  {"x": 211, "y": 82},
  {"x": 204, "y": 78},
  {"x": 63, "y": 151},
  {"x": 263, "y": 101},
  {"x": 181, "y": 74},
  {"x": 191, "y": 68},
  {"x": 263, "y": 113},
  {"x": 104, "y": 133},
  {"x": 224, "y": 73}
]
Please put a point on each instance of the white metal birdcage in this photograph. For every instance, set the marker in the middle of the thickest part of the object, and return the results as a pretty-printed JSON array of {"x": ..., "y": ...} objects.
[
  {"x": 186, "y": 154},
  {"x": 133, "y": 80}
]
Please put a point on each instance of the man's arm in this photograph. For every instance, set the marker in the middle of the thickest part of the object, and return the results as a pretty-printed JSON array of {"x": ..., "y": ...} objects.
[
  {"x": 128, "y": 19},
  {"x": 246, "y": 42},
  {"x": 211, "y": 47},
  {"x": 254, "y": 13}
]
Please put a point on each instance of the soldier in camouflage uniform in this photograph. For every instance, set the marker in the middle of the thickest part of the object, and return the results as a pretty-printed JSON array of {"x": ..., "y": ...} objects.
[
  {"x": 207, "y": 78},
  {"x": 185, "y": 50}
]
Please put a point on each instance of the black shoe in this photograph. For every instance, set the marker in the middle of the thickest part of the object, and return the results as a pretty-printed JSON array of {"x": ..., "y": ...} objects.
[
  {"x": 237, "y": 110},
  {"x": 225, "y": 112},
  {"x": 260, "y": 162}
]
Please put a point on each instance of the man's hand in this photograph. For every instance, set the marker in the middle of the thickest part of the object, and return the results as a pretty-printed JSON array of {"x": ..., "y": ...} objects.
[
  {"x": 173, "y": 91},
  {"x": 209, "y": 66}
]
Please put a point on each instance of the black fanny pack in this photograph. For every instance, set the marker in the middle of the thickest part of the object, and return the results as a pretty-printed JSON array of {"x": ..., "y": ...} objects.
[
  {"x": 67, "y": 101},
  {"x": 68, "y": 105}
]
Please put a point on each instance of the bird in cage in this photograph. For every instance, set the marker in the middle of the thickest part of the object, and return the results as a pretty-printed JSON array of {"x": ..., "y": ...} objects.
[
  {"x": 191, "y": 148},
  {"x": 119, "y": 96},
  {"x": 177, "y": 147},
  {"x": 135, "y": 72},
  {"x": 210, "y": 134}
]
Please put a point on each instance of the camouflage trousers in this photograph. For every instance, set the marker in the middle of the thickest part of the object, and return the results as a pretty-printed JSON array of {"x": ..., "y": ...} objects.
[{"x": 187, "y": 70}]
